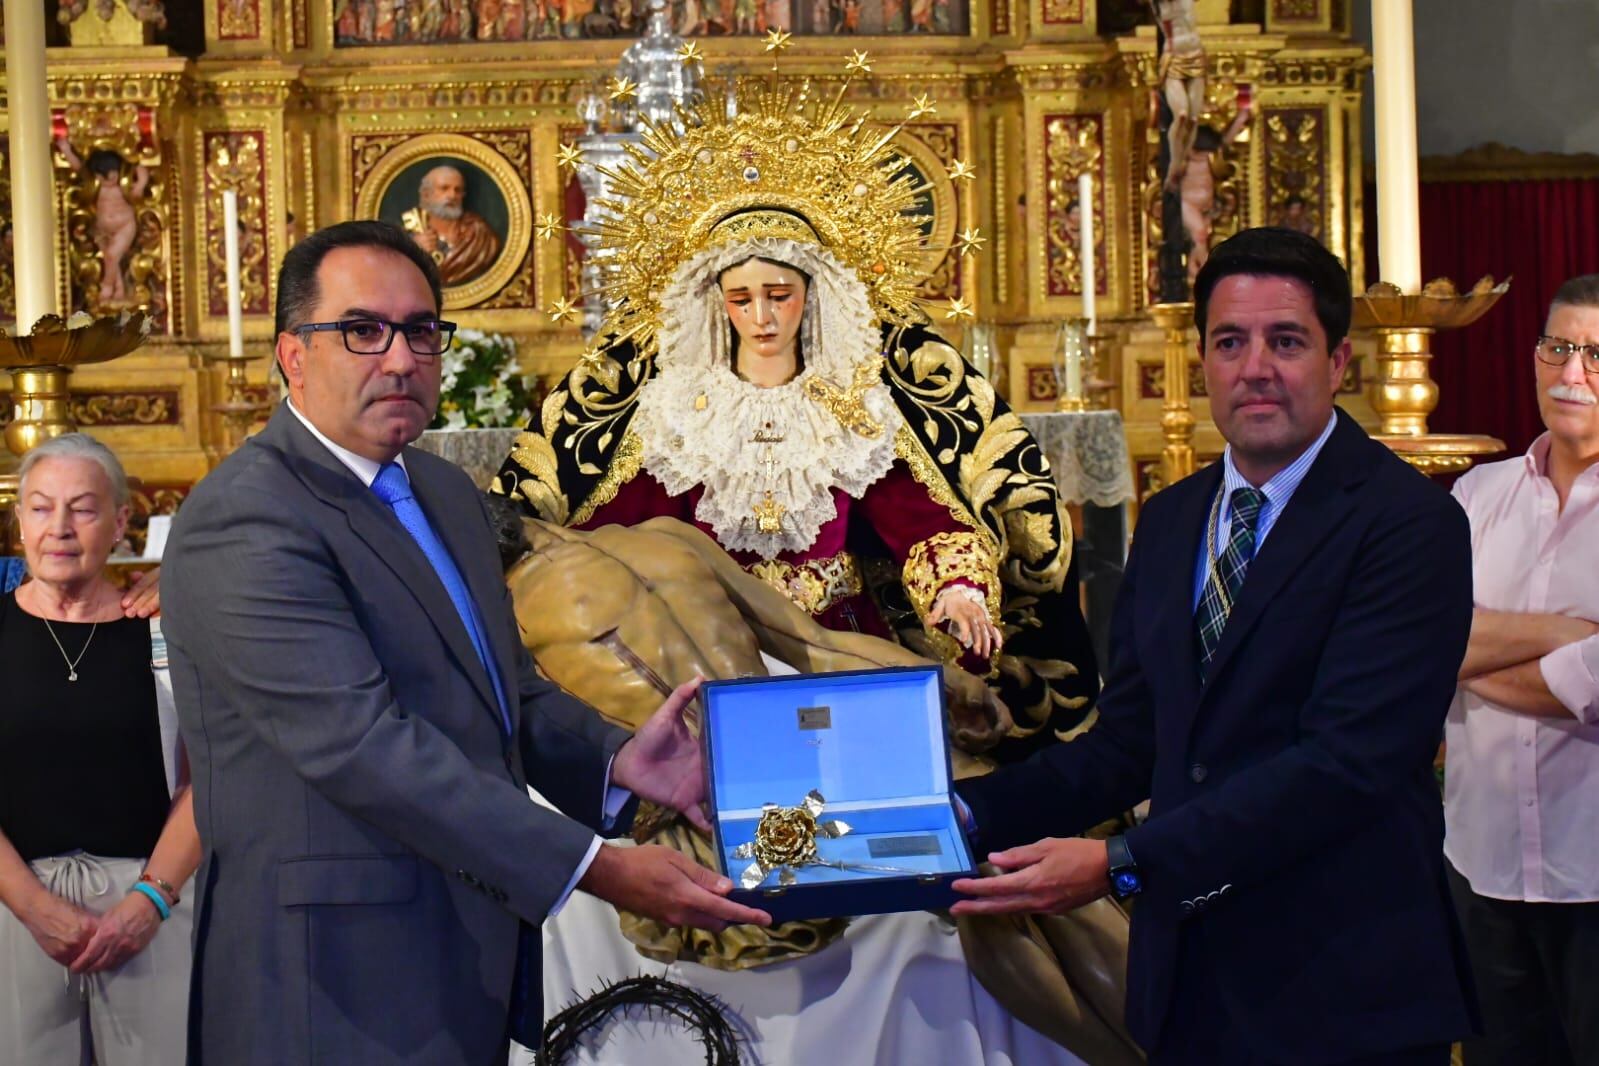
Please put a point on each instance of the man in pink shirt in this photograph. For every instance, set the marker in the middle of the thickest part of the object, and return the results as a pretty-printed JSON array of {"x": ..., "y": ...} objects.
[{"x": 1521, "y": 782}]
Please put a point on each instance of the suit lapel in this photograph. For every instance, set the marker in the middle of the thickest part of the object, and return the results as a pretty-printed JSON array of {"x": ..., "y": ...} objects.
[
  {"x": 1172, "y": 581},
  {"x": 372, "y": 520},
  {"x": 1319, "y": 505}
]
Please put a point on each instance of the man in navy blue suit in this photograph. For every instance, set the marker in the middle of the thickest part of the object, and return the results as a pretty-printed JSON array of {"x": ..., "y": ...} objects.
[{"x": 1283, "y": 653}]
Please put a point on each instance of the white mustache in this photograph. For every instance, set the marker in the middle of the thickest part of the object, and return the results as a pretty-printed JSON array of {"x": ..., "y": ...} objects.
[{"x": 1574, "y": 393}]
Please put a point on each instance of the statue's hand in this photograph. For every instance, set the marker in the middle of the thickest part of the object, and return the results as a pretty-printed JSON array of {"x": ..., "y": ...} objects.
[{"x": 968, "y": 621}]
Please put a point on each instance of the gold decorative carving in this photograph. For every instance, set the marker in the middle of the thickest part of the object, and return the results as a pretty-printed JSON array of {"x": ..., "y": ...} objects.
[
  {"x": 8, "y": 285},
  {"x": 505, "y": 156},
  {"x": 1072, "y": 146},
  {"x": 1296, "y": 10},
  {"x": 1498, "y": 162},
  {"x": 1295, "y": 162},
  {"x": 239, "y": 19},
  {"x": 234, "y": 160},
  {"x": 110, "y": 408},
  {"x": 932, "y": 147},
  {"x": 1063, "y": 12},
  {"x": 117, "y": 222}
]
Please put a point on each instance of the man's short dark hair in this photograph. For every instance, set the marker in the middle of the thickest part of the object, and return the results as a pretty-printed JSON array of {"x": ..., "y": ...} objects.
[
  {"x": 297, "y": 288},
  {"x": 1581, "y": 291},
  {"x": 1275, "y": 252}
]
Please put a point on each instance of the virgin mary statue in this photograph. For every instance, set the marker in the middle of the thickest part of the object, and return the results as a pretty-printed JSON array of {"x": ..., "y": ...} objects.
[{"x": 767, "y": 373}]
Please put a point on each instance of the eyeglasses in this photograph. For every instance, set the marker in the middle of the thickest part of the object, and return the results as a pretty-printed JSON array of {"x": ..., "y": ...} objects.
[
  {"x": 1557, "y": 351},
  {"x": 373, "y": 336}
]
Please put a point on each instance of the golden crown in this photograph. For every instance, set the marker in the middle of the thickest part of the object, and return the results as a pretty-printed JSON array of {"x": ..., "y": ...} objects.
[{"x": 783, "y": 164}]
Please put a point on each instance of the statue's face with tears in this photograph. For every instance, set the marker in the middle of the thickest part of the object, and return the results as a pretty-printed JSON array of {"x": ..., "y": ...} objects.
[{"x": 765, "y": 301}]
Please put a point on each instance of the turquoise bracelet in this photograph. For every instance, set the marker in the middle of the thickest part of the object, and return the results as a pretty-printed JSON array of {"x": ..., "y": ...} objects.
[{"x": 149, "y": 893}]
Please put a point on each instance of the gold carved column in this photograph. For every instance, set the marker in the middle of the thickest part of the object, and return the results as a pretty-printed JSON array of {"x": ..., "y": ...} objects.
[{"x": 236, "y": 140}]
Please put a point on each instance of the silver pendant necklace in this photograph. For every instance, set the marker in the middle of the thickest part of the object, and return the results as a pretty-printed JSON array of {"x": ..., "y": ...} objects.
[{"x": 72, "y": 664}]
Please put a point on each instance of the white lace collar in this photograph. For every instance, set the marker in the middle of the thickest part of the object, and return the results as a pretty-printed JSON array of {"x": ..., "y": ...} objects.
[{"x": 768, "y": 458}]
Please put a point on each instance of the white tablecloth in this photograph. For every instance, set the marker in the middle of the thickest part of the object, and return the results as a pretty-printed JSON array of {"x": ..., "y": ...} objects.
[
  {"x": 1087, "y": 453},
  {"x": 893, "y": 990}
]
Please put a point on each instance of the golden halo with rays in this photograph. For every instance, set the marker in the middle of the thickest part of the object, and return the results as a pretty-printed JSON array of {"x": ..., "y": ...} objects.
[{"x": 784, "y": 150}]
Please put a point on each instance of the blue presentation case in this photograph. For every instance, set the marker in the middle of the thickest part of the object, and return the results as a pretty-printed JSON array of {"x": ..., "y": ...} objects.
[{"x": 874, "y": 743}]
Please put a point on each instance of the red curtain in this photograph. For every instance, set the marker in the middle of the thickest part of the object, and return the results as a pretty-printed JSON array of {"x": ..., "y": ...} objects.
[{"x": 1538, "y": 233}]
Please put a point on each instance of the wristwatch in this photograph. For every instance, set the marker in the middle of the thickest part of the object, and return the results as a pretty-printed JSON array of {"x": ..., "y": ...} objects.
[{"x": 1125, "y": 880}]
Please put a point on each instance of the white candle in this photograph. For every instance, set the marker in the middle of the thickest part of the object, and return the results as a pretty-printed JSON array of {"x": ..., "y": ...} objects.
[
  {"x": 1085, "y": 243},
  {"x": 32, "y": 195},
  {"x": 1398, "y": 193},
  {"x": 230, "y": 242}
]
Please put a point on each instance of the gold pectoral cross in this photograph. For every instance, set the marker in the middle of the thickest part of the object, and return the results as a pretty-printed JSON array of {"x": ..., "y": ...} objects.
[{"x": 768, "y": 458}]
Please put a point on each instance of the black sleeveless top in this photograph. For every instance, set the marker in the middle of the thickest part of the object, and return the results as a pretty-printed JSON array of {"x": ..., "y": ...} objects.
[{"x": 80, "y": 761}]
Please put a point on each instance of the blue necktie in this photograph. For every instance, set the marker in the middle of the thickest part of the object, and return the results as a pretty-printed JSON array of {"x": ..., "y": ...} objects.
[{"x": 394, "y": 489}]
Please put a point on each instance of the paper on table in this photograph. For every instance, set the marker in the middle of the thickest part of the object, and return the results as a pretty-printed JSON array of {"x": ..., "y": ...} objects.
[{"x": 155, "y": 538}]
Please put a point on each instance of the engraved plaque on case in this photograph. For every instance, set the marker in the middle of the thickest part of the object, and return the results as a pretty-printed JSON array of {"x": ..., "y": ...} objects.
[
  {"x": 899, "y": 847},
  {"x": 815, "y": 718}
]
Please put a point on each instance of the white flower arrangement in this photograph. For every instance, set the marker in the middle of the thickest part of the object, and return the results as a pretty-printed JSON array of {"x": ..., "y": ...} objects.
[{"x": 480, "y": 384}]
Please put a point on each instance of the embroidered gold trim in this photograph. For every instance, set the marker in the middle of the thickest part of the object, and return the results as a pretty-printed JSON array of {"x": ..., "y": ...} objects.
[
  {"x": 927, "y": 475},
  {"x": 944, "y": 558},
  {"x": 816, "y": 584},
  {"x": 625, "y": 465}
]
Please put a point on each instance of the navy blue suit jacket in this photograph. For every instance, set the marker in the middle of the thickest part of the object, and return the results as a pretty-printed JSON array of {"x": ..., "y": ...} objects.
[{"x": 1294, "y": 844}]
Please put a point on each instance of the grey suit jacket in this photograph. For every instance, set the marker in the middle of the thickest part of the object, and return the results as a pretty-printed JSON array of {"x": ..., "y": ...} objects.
[{"x": 372, "y": 859}]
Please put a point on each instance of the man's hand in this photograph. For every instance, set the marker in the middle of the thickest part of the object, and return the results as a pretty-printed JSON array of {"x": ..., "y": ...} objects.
[
  {"x": 426, "y": 240},
  {"x": 59, "y": 927},
  {"x": 665, "y": 885},
  {"x": 1052, "y": 876},
  {"x": 661, "y": 762},
  {"x": 143, "y": 597},
  {"x": 123, "y": 932},
  {"x": 968, "y": 620}
]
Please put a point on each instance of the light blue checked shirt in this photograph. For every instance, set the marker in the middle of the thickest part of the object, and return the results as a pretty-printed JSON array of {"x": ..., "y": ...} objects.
[{"x": 1278, "y": 491}]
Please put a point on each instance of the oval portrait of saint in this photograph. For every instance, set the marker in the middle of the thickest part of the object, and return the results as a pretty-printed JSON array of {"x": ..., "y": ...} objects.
[{"x": 461, "y": 202}]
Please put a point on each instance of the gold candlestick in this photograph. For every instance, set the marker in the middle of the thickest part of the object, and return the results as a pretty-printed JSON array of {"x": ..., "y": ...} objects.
[
  {"x": 40, "y": 363},
  {"x": 1100, "y": 384},
  {"x": 1176, "y": 420},
  {"x": 1404, "y": 394},
  {"x": 238, "y": 411}
]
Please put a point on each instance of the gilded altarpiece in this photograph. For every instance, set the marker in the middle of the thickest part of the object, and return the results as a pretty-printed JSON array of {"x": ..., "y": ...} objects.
[{"x": 315, "y": 111}]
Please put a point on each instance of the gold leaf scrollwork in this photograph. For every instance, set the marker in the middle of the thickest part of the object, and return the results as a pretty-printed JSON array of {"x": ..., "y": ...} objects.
[
  {"x": 124, "y": 408},
  {"x": 239, "y": 19},
  {"x": 234, "y": 161},
  {"x": 1295, "y": 161},
  {"x": 1072, "y": 146}
]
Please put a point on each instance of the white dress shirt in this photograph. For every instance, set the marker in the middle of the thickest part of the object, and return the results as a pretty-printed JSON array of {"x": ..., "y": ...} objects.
[
  {"x": 367, "y": 470},
  {"x": 1521, "y": 793}
]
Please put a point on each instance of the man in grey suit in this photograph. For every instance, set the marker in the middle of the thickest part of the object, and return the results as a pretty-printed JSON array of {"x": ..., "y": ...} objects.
[{"x": 363, "y": 721}]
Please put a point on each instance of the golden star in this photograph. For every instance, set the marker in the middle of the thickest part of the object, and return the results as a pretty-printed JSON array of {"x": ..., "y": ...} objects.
[
  {"x": 624, "y": 90},
  {"x": 922, "y": 105},
  {"x": 858, "y": 64},
  {"x": 562, "y": 310},
  {"x": 958, "y": 309},
  {"x": 549, "y": 225},
  {"x": 777, "y": 40},
  {"x": 690, "y": 52},
  {"x": 970, "y": 240},
  {"x": 570, "y": 157},
  {"x": 961, "y": 170}
]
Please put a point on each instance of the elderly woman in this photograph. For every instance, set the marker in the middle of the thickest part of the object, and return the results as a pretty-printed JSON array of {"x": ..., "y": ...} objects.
[{"x": 97, "y": 833}]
